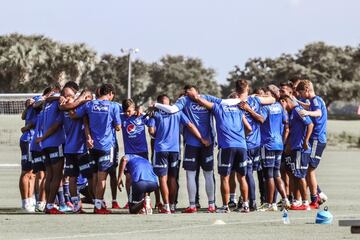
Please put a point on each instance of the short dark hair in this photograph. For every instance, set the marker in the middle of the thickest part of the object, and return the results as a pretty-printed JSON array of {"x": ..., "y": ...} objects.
[
  {"x": 161, "y": 97},
  {"x": 189, "y": 86},
  {"x": 285, "y": 97},
  {"x": 287, "y": 84},
  {"x": 106, "y": 88},
  {"x": 240, "y": 86},
  {"x": 46, "y": 91},
  {"x": 126, "y": 103},
  {"x": 56, "y": 86},
  {"x": 73, "y": 85}
]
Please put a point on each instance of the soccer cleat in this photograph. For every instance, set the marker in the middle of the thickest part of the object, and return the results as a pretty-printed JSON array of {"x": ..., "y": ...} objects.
[
  {"x": 40, "y": 207},
  {"x": 126, "y": 206},
  {"x": 53, "y": 211},
  {"x": 285, "y": 204},
  {"x": 245, "y": 209},
  {"x": 164, "y": 211},
  {"x": 190, "y": 210},
  {"x": 115, "y": 205},
  {"x": 79, "y": 211},
  {"x": 65, "y": 208},
  {"x": 223, "y": 209},
  {"x": 211, "y": 209},
  {"x": 268, "y": 207},
  {"x": 232, "y": 204},
  {"x": 301, "y": 207},
  {"x": 29, "y": 208},
  {"x": 159, "y": 206},
  {"x": 69, "y": 204},
  {"x": 101, "y": 211},
  {"x": 322, "y": 198},
  {"x": 314, "y": 205}
]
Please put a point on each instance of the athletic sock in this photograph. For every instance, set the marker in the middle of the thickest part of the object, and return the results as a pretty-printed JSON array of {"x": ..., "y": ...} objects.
[
  {"x": 66, "y": 191},
  {"x": 166, "y": 207},
  {"x": 75, "y": 201},
  {"x": 306, "y": 203},
  {"x": 246, "y": 204},
  {"x": 191, "y": 187},
  {"x": 318, "y": 189},
  {"x": 60, "y": 196},
  {"x": 37, "y": 197},
  {"x": 209, "y": 186},
  {"x": 233, "y": 197},
  {"x": 98, "y": 203},
  {"x": 49, "y": 206},
  {"x": 172, "y": 207},
  {"x": 23, "y": 203},
  {"x": 313, "y": 198}
]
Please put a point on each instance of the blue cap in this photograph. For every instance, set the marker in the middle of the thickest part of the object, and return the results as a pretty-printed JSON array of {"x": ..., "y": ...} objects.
[{"x": 324, "y": 217}]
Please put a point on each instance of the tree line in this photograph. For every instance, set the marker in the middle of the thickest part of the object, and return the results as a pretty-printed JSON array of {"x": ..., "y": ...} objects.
[{"x": 30, "y": 63}]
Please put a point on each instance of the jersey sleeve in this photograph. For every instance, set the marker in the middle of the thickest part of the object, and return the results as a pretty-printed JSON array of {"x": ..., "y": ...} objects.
[
  {"x": 264, "y": 112},
  {"x": 151, "y": 122},
  {"x": 184, "y": 120},
  {"x": 212, "y": 99},
  {"x": 315, "y": 104},
  {"x": 181, "y": 102},
  {"x": 116, "y": 115},
  {"x": 215, "y": 108},
  {"x": 82, "y": 110},
  {"x": 306, "y": 120}
]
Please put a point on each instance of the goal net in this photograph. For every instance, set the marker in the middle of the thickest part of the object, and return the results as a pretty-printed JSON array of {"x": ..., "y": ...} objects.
[{"x": 11, "y": 107}]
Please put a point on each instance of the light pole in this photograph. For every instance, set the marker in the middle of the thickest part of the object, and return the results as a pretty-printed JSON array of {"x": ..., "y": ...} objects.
[{"x": 129, "y": 52}]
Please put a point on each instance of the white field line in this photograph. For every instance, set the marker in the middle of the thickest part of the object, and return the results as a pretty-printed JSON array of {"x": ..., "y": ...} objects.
[
  {"x": 77, "y": 236},
  {"x": 9, "y": 165}
]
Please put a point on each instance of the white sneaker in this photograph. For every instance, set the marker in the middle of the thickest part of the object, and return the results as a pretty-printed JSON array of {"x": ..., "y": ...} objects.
[
  {"x": 323, "y": 198},
  {"x": 29, "y": 208},
  {"x": 268, "y": 207},
  {"x": 40, "y": 207},
  {"x": 223, "y": 209},
  {"x": 285, "y": 204}
]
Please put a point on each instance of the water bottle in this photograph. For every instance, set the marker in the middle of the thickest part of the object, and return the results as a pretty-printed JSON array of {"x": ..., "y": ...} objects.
[{"x": 285, "y": 217}]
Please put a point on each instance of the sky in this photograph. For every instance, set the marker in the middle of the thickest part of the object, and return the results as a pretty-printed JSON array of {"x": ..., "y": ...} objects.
[{"x": 222, "y": 33}]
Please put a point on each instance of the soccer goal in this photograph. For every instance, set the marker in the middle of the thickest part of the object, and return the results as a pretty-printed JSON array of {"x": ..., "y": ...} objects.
[{"x": 11, "y": 107}]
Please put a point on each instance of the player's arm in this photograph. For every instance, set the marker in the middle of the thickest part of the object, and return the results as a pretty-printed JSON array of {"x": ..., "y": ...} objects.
[
  {"x": 203, "y": 102},
  {"x": 122, "y": 166},
  {"x": 286, "y": 132},
  {"x": 266, "y": 100},
  {"x": 66, "y": 105},
  {"x": 193, "y": 129},
  {"x": 89, "y": 139},
  {"x": 309, "y": 130},
  {"x": 49, "y": 132},
  {"x": 316, "y": 113},
  {"x": 305, "y": 105},
  {"x": 245, "y": 106},
  {"x": 167, "y": 108},
  {"x": 248, "y": 128},
  {"x": 28, "y": 127}
]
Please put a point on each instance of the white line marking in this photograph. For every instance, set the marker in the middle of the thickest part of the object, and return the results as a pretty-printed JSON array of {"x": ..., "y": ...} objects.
[
  {"x": 8, "y": 165},
  {"x": 171, "y": 229}
]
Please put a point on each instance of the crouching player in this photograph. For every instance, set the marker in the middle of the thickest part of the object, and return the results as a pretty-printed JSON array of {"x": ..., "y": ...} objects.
[
  {"x": 143, "y": 182},
  {"x": 300, "y": 132}
]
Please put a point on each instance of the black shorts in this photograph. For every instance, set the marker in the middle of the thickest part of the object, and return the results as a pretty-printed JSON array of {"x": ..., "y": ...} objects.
[
  {"x": 38, "y": 161},
  {"x": 198, "y": 156},
  {"x": 53, "y": 154},
  {"x": 76, "y": 164},
  {"x": 26, "y": 160}
]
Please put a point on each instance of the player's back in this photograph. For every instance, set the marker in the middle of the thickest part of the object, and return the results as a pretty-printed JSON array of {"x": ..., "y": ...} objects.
[
  {"x": 320, "y": 123},
  {"x": 271, "y": 130},
  {"x": 50, "y": 115},
  {"x": 75, "y": 141},
  {"x": 140, "y": 169},
  {"x": 253, "y": 140}
]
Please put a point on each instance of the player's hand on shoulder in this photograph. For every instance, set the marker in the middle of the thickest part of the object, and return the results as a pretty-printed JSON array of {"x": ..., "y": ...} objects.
[
  {"x": 244, "y": 106},
  {"x": 303, "y": 113}
]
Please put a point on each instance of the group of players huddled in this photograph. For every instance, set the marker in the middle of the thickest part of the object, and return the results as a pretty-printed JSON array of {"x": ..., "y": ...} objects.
[{"x": 69, "y": 147}]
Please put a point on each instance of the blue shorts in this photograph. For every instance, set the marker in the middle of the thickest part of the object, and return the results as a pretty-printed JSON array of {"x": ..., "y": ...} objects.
[
  {"x": 166, "y": 163},
  {"x": 232, "y": 159},
  {"x": 26, "y": 165},
  {"x": 138, "y": 190},
  {"x": 271, "y": 158},
  {"x": 253, "y": 161},
  {"x": 317, "y": 149},
  {"x": 38, "y": 161},
  {"x": 300, "y": 163},
  {"x": 77, "y": 163},
  {"x": 103, "y": 160},
  {"x": 198, "y": 156},
  {"x": 53, "y": 154}
]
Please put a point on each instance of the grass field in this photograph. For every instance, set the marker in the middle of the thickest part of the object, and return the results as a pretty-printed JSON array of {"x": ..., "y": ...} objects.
[{"x": 338, "y": 177}]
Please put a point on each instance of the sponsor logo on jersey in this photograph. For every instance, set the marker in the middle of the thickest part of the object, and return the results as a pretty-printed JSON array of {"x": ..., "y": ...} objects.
[
  {"x": 196, "y": 108},
  {"x": 100, "y": 108},
  {"x": 233, "y": 108}
]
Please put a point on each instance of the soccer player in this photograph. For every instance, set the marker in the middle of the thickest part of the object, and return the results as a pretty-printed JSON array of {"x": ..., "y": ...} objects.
[
  {"x": 27, "y": 179},
  {"x": 166, "y": 129},
  {"x": 52, "y": 145},
  {"x": 273, "y": 134},
  {"x": 143, "y": 182},
  {"x": 300, "y": 132},
  {"x": 103, "y": 116},
  {"x": 230, "y": 125},
  {"x": 318, "y": 114},
  {"x": 75, "y": 150}
]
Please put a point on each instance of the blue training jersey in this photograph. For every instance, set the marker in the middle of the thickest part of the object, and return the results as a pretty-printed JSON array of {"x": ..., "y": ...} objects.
[
  {"x": 75, "y": 141},
  {"x": 120, "y": 110},
  {"x": 199, "y": 116},
  {"x": 133, "y": 131},
  {"x": 229, "y": 126},
  {"x": 103, "y": 117},
  {"x": 140, "y": 169},
  {"x": 319, "y": 132},
  {"x": 298, "y": 127},
  {"x": 272, "y": 129},
  {"x": 253, "y": 140},
  {"x": 31, "y": 115},
  {"x": 38, "y": 132},
  {"x": 167, "y": 127},
  {"x": 50, "y": 115}
]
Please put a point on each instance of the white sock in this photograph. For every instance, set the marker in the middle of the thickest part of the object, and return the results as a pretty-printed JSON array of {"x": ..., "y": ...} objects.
[
  {"x": 166, "y": 207},
  {"x": 23, "y": 203},
  {"x": 209, "y": 186},
  {"x": 246, "y": 204},
  {"x": 306, "y": 202},
  {"x": 232, "y": 197},
  {"x": 191, "y": 187},
  {"x": 98, "y": 203}
]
